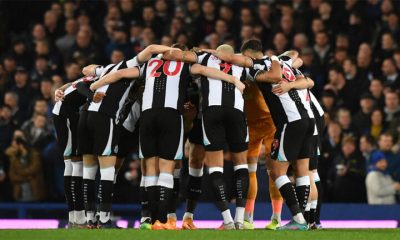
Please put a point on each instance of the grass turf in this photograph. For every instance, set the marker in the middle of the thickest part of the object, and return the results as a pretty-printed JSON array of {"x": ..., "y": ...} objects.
[{"x": 131, "y": 234}]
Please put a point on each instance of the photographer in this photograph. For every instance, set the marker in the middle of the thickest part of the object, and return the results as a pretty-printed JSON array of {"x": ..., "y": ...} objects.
[{"x": 25, "y": 170}]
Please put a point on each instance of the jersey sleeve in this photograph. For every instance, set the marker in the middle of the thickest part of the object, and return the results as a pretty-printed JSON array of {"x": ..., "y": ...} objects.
[
  {"x": 258, "y": 67},
  {"x": 98, "y": 71},
  {"x": 200, "y": 56},
  {"x": 297, "y": 72},
  {"x": 133, "y": 62}
]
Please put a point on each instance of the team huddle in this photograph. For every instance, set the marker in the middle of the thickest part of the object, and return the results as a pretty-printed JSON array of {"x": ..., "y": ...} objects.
[{"x": 144, "y": 104}]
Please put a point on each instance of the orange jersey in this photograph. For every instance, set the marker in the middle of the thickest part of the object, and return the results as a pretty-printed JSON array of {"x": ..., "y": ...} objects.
[{"x": 254, "y": 104}]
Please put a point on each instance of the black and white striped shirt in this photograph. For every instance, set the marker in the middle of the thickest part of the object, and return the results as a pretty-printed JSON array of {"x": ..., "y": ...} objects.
[
  {"x": 288, "y": 107},
  {"x": 73, "y": 100},
  {"x": 217, "y": 92},
  {"x": 115, "y": 93},
  {"x": 165, "y": 83}
]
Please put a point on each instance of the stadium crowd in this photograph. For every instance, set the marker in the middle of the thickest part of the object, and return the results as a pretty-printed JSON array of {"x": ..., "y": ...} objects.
[{"x": 351, "y": 49}]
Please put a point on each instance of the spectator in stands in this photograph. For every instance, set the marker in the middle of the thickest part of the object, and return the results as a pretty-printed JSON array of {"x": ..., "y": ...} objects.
[
  {"x": 344, "y": 119},
  {"x": 25, "y": 170},
  {"x": 378, "y": 124},
  {"x": 84, "y": 51},
  {"x": 322, "y": 48},
  {"x": 46, "y": 92},
  {"x": 119, "y": 41},
  {"x": 135, "y": 32},
  {"x": 392, "y": 107},
  {"x": 40, "y": 107},
  {"x": 18, "y": 116},
  {"x": 367, "y": 147},
  {"x": 376, "y": 89},
  {"x": 117, "y": 56},
  {"x": 344, "y": 90},
  {"x": 22, "y": 54},
  {"x": 391, "y": 76},
  {"x": 362, "y": 119},
  {"x": 385, "y": 144},
  {"x": 22, "y": 88},
  {"x": 40, "y": 71},
  {"x": 350, "y": 173},
  {"x": 330, "y": 148},
  {"x": 43, "y": 48},
  {"x": 37, "y": 132},
  {"x": 65, "y": 43},
  {"x": 72, "y": 72},
  {"x": 381, "y": 188}
]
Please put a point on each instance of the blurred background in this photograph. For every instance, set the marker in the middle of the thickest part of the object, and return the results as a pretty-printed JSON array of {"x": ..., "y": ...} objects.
[{"x": 350, "y": 48}]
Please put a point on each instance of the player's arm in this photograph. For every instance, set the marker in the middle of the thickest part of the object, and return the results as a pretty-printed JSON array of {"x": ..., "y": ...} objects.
[
  {"x": 273, "y": 75},
  {"x": 90, "y": 70},
  {"x": 115, "y": 76},
  {"x": 149, "y": 51},
  {"x": 239, "y": 60},
  {"x": 300, "y": 83},
  {"x": 293, "y": 54},
  {"x": 59, "y": 92},
  {"x": 183, "y": 56},
  {"x": 213, "y": 73}
]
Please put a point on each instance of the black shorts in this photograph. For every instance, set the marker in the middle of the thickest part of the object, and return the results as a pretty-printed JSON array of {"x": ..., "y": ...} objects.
[
  {"x": 196, "y": 133},
  {"x": 98, "y": 134},
  {"x": 66, "y": 130},
  {"x": 224, "y": 126},
  {"x": 161, "y": 134},
  {"x": 128, "y": 142},
  {"x": 293, "y": 141}
]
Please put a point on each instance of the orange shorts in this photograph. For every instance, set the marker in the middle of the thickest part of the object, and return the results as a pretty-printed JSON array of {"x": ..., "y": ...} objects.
[{"x": 260, "y": 133}]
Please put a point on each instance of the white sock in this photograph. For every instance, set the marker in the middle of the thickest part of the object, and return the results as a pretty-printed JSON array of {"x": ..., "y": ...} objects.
[
  {"x": 68, "y": 167},
  {"x": 143, "y": 219},
  {"x": 171, "y": 215},
  {"x": 227, "y": 216},
  {"x": 249, "y": 217},
  {"x": 239, "y": 215},
  {"x": 313, "y": 204},
  {"x": 276, "y": 216},
  {"x": 299, "y": 218},
  {"x": 308, "y": 207},
  {"x": 104, "y": 216},
  {"x": 71, "y": 216},
  {"x": 90, "y": 216},
  {"x": 187, "y": 215},
  {"x": 77, "y": 169},
  {"x": 79, "y": 217}
]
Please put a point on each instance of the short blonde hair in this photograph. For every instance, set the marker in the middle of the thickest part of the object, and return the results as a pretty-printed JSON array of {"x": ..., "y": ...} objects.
[{"x": 226, "y": 48}]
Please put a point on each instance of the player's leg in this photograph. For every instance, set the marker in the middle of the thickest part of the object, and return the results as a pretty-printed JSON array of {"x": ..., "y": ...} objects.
[
  {"x": 214, "y": 139},
  {"x": 241, "y": 176},
  {"x": 170, "y": 150},
  {"x": 62, "y": 131},
  {"x": 77, "y": 172},
  {"x": 90, "y": 166},
  {"x": 215, "y": 164},
  {"x": 150, "y": 171},
  {"x": 286, "y": 148},
  {"x": 105, "y": 135},
  {"x": 174, "y": 199},
  {"x": 255, "y": 144},
  {"x": 237, "y": 136},
  {"x": 193, "y": 189},
  {"x": 312, "y": 203}
]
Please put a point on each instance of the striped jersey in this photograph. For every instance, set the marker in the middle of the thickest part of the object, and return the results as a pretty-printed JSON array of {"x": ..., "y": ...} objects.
[
  {"x": 165, "y": 83},
  {"x": 115, "y": 93},
  {"x": 73, "y": 100},
  {"x": 217, "y": 92},
  {"x": 288, "y": 107}
]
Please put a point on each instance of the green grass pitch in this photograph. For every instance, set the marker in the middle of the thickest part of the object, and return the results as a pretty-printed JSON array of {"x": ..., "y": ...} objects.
[{"x": 131, "y": 234}]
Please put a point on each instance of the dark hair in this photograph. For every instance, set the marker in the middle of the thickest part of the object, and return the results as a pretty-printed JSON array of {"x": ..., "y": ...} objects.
[
  {"x": 253, "y": 45},
  {"x": 21, "y": 141},
  {"x": 370, "y": 139}
]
